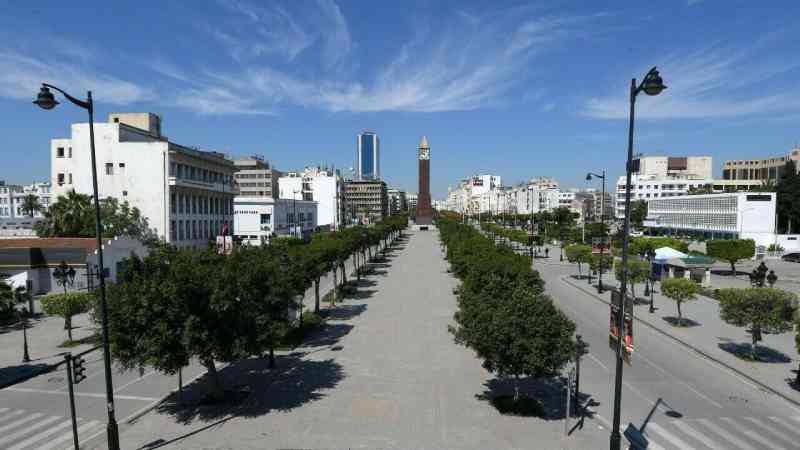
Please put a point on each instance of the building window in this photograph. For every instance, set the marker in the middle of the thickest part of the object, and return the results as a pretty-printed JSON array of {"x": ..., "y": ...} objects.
[
  {"x": 172, "y": 231},
  {"x": 265, "y": 219},
  {"x": 69, "y": 152},
  {"x": 172, "y": 169},
  {"x": 124, "y": 193},
  {"x": 70, "y": 179},
  {"x": 60, "y": 152},
  {"x": 109, "y": 168},
  {"x": 180, "y": 230},
  {"x": 122, "y": 168},
  {"x": 180, "y": 170},
  {"x": 60, "y": 179},
  {"x": 172, "y": 203}
]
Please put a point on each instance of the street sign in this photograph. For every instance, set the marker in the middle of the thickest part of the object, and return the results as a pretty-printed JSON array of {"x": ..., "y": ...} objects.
[
  {"x": 627, "y": 331},
  {"x": 636, "y": 438}
]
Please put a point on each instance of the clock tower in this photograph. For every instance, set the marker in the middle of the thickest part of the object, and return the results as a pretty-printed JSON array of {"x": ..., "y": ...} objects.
[{"x": 424, "y": 209}]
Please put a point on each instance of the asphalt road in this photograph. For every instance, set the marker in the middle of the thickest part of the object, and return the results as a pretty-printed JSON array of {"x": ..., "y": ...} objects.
[
  {"x": 691, "y": 402},
  {"x": 36, "y": 414}
]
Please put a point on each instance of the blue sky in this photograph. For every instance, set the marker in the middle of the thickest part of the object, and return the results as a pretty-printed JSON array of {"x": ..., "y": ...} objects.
[{"x": 519, "y": 89}]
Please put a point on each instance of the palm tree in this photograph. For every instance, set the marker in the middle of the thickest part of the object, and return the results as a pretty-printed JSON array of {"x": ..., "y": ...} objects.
[
  {"x": 69, "y": 216},
  {"x": 30, "y": 205}
]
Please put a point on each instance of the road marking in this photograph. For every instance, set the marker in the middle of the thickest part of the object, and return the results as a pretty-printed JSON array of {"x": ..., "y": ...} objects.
[
  {"x": 683, "y": 426},
  {"x": 754, "y": 436},
  {"x": 10, "y": 415},
  {"x": 669, "y": 436},
  {"x": 642, "y": 357},
  {"x": 68, "y": 436},
  {"x": 28, "y": 429},
  {"x": 726, "y": 435},
  {"x": 20, "y": 421},
  {"x": 82, "y": 394},
  {"x": 135, "y": 380},
  {"x": 783, "y": 422},
  {"x": 594, "y": 358},
  {"x": 772, "y": 431},
  {"x": 40, "y": 436}
]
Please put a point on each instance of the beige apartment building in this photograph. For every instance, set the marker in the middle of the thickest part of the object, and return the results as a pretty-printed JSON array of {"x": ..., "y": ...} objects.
[
  {"x": 255, "y": 177},
  {"x": 765, "y": 170},
  {"x": 366, "y": 201}
]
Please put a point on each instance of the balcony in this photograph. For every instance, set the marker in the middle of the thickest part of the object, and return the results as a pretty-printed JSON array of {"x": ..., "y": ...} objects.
[{"x": 196, "y": 184}]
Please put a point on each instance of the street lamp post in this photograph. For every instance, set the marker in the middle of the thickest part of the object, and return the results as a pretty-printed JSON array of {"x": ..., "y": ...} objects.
[
  {"x": 294, "y": 211},
  {"x": 652, "y": 84},
  {"x": 47, "y": 101},
  {"x": 26, "y": 357},
  {"x": 602, "y": 225}
]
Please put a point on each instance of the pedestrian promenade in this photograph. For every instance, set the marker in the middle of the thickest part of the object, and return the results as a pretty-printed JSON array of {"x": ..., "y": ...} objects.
[{"x": 384, "y": 374}]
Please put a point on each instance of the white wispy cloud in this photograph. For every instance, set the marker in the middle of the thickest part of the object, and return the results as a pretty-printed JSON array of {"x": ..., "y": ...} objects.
[
  {"x": 21, "y": 75},
  {"x": 712, "y": 82},
  {"x": 463, "y": 63}
]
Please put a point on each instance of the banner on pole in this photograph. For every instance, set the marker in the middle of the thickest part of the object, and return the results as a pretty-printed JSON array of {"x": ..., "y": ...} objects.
[
  {"x": 627, "y": 331},
  {"x": 601, "y": 244}
]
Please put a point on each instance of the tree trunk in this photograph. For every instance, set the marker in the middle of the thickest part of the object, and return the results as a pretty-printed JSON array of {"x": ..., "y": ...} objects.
[
  {"x": 754, "y": 333},
  {"x": 316, "y": 296},
  {"x": 215, "y": 385},
  {"x": 680, "y": 317},
  {"x": 355, "y": 265},
  {"x": 516, "y": 388},
  {"x": 68, "y": 326},
  {"x": 271, "y": 357},
  {"x": 733, "y": 268},
  {"x": 335, "y": 287},
  {"x": 344, "y": 273},
  {"x": 579, "y": 271}
]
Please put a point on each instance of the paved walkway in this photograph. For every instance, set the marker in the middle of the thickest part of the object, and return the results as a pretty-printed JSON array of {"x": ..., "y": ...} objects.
[{"x": 386, "y": 374}]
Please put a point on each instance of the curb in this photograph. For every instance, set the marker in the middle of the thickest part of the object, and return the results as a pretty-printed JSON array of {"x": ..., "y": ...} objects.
[{"x": 695, "y": 349}]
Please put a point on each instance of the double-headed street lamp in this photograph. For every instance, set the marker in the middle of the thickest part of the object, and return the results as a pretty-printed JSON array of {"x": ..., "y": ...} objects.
[
  {"x": 602, "y": 225},
  {"x": 652, "y": 84},
  {"x": 46, "y": 100}
]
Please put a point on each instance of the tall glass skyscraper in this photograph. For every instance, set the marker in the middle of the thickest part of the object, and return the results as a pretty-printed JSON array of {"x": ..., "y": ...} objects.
[{"x": 368, "y": 156}]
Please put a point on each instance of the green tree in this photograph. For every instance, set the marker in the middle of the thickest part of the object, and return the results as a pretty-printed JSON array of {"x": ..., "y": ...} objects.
[
  {"x": 638, "y": 272},
  {"x": 67, "y": 305},
  {"x": 30, "y": 205},
  {"x": 638, "y": 213},
  {"x": 7, "y": 301},
  {"x": 731, "y": 250},
  {"x": 788, "y": 199},
  {"x": 593, "y": 230},
  {"x": 642, "y": 245},
  {"x": 680, "y": 290},
  {"x": 578, "y": 254},
  {"x": 523, "y": 335},
  {"x": 701, "y": 190},
  {"x": 73, "y": 216},
  {"x": 596, "y": 263},
  {"x": 762, "y": 310}
]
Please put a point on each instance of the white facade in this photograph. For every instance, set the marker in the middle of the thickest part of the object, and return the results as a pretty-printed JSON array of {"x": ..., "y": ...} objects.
[
  {"x": 256, "y": 220},
  {"x": 647, "y": 187},
  {"x": 80, "y": 252},
  {"x": 411, "y": 199},
  {"x": 669, "y": 166},
  {"x": 322, "y": 185},
  {"x": 739, "y": 215},
  {"x": 398, "y": 203},
  {"x": 13, "y": 196},
  {"x": 185, "y": 194}
]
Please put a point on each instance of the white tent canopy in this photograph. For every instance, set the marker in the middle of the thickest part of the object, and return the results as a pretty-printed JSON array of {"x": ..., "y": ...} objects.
[{"x": 665, "y": 253}]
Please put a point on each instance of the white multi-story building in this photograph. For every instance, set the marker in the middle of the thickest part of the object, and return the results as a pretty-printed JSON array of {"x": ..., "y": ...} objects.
[
  {"x": 255, "y": 178},
  {"x": 735, "y": 215},
  {"x": 322, "y": 185},
  {"x": 185, "y": 194},
  {"x": 258, "y": 219},
  {"x": 398, "y": 203},
  {"x": 411, "y": 199},
  {"x": 13, "y": 196}
]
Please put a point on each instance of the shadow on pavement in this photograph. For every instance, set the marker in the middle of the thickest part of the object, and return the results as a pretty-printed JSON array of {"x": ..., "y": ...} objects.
[
  {"x": 347, "y": 312},
  {"x": 16, "y": 325},
  {"x": 682, "y": 323},
  {"x": 255, "y": 390},
  {"x": 727, "y": 273},
  {"x": 549, "y": 392},
  {"x": 763, "y": 354},
  {"x": 16, "y": 374}
]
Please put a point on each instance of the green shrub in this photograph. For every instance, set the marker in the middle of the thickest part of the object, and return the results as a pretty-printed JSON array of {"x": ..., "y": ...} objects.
[{"x": 67, "y": 305}]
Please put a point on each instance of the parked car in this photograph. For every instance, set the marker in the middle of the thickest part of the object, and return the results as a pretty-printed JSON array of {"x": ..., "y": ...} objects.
[{"x": 792, "y": 257}]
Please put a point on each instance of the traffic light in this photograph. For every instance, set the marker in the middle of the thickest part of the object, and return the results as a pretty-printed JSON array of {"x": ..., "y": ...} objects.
[{"x": 78, "y": 370}]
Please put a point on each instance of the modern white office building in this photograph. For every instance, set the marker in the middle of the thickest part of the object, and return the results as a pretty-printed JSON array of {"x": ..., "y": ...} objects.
[
  {"x": 255, "y": 177},
  {"x": 398, "y": 203},
  {"x": 368, "y": 161},
  {"x": 411, "y": 199},
  {"x": 257, "y": 220},
  {"x": 320, "y": 184},
  {"x": 737, "y": 215},
  {"x": 13, "y": 196},
  {"x": 185, "y": 194}
]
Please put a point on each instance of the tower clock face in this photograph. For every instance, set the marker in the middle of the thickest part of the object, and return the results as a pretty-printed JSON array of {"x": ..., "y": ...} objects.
[{"x": 424, "y": 153}]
